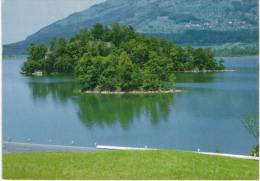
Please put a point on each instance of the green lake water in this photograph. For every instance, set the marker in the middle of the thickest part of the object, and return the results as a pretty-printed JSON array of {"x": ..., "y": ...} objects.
[{"x": 208, "y": 114}]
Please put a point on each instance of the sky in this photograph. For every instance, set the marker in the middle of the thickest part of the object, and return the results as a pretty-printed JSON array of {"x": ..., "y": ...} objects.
[{"x": 22, "y": 18}]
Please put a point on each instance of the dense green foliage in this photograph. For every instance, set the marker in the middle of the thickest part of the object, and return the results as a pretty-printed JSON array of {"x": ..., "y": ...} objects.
[
  {"x": 255, "y": 150},
  {"x": 251, "y": 123},
  {"x": 112, "y": 165},
  {"x": 118, "y": 58}
]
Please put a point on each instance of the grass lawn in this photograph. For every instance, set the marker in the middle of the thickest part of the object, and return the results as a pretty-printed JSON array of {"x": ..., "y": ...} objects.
[{"x": 161, "y": 164}]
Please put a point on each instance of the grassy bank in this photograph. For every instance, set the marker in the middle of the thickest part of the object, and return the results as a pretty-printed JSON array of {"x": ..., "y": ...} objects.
[{"x": 126, "y": 165}]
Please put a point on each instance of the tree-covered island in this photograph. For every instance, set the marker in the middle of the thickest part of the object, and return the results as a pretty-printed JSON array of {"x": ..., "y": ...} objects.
[{"x": 118, "y": 59}]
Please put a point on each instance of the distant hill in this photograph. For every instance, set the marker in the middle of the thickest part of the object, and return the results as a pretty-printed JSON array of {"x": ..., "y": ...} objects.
[{"x": 188, "y": 22}]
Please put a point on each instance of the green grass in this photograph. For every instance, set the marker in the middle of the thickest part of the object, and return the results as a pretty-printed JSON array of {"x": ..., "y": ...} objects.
[{"x": 126, "y": 165}]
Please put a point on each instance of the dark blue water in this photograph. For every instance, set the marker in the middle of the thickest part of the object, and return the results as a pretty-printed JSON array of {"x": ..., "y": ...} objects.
[{"x": 208, "y": 114}]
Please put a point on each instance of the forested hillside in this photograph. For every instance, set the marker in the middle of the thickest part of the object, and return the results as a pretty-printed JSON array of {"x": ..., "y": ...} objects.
[{"x": 187, "y": 22}]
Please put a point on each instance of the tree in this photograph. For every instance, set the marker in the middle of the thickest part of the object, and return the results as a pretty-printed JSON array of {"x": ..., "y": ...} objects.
[
  {"x": 140, "y": 54},
  {"x": 158, "y": 72},
  {"x": 88, "y": 71},
  {"x": 121, "y": 33},
  {"x": 150, "y": 81},
  {"x": 109, "y": 79},
  {"x": 125, "y": 70},
  {"x": 98, "y": 31},
  {"x": 199, "y": 58},
  {"x": 31, "y": 66},
  {"x": 251, "y": 123},
  {"x": 58, "y": 46},
  {"x": 177, "y": 56},
  {"x": 36, "y": 52},
  {"x": 75, "y": 50},
  {"x": 84, "y": 35},
  {"x": 63, "y": 64}
]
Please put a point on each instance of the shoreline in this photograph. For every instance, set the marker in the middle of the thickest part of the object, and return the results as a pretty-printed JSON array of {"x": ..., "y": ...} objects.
[
  {"x": 206, "y": 71},
  {"x": 40, "y": 73},
  {"x": 133, "y": 92},
  {"x": 12, "y": 55},
  {"x": 22, "y": 147}
]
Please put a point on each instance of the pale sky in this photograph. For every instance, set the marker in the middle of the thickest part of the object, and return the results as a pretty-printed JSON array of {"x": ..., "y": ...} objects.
[{"x": 24, "y": 17}]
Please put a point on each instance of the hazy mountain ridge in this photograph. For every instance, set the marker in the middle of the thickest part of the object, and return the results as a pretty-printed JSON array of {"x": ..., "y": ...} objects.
[{"x": 170, "y": 18}]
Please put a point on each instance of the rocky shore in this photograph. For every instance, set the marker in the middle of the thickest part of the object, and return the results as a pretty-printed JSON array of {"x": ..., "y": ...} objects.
[{"x": 132, "y": 92}]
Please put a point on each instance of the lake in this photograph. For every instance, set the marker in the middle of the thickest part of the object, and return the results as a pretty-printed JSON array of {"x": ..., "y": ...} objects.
[{"x": 208, "y": 114}]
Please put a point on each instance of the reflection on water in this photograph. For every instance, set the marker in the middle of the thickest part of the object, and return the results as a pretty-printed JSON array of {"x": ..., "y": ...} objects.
[
  {"x": 99, "y": 110},
  {"x": 208, "y": 114},
  {"x": 59, "y": 91},
  {"x": 108, "y": 109},
  {"x": 190, "y": 77}
]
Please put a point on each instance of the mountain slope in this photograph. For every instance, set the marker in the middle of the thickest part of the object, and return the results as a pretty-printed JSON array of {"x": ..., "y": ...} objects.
[{"x": 195, "y": 22}]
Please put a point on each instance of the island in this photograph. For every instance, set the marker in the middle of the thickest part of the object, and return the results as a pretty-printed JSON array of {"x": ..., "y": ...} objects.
[{"x": 118, "y": 59}]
